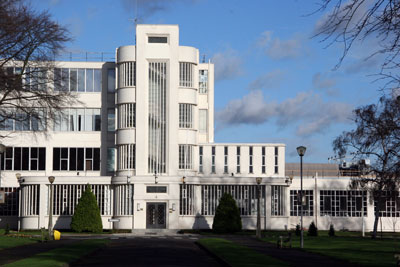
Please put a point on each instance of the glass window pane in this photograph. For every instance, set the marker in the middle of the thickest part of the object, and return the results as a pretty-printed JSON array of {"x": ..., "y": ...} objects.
[
  {"x": 89, "y": 80},
  {"x": 111, "y": 119},
  {"x": 80, "y": 123},
  {"x": 64, "y": 79},
  {"x": 57, "y": 79},
  {"x": 96, "y": 120},
  {"x": 80, "y": 159},
  {"x": 97, "y": 80},
  {"x": 89, "y": 120},
  {"x": 73, "y": 79},
  {"x": 56, "y": 158},
  {"x": 81, "y": 80},
  {"x": 111, "y": 80},
  {"x": 110, "y": 159}
]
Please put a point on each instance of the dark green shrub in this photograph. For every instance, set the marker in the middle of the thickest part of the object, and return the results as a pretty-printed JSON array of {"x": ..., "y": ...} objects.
[
  {"x": 7, "y": 229},
  {"x": 331, "y": 232},
  {"x": 87, "y": 214},
  {"x": 227, "y": 216},
  {"x": 298, "y": 230},
  {"x": 312, "y": 230}
]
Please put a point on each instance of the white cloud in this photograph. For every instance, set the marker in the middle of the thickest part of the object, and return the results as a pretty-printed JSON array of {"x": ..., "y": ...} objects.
[
  {"x": 268, "y": 80},
  {"x": 276, "y": 48},
  {"x": 228, "y": 64},
  {"x": 322, "y": 81},
  {"x": 307, "y": 112}
]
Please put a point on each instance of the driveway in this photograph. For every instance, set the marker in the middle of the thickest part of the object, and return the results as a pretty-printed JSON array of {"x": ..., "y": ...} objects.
[{"x": 150, "y": 251}]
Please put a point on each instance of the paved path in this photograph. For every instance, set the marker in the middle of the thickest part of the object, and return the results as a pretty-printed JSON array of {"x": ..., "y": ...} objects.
[
  {"x": 149, "y": 251},
  {"x": 295, "y": 257},
  {"x": 9, "y": 255}
]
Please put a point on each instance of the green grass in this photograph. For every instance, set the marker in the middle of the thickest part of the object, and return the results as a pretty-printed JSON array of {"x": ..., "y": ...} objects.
[
  {"x": 348, "y": 246},
  {"x": 11, "y": 241},
  {"x": 237, "y": 255},
  {"x": 61, "y": 256}
]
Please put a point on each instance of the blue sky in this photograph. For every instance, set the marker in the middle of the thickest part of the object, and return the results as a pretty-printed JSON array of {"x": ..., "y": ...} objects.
[{"x": 274, "y": 82}]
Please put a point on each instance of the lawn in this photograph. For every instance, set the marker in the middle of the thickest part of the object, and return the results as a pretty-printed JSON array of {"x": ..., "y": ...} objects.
[
  {"x": 237, "y": 255},
  {"x": 14, "y": 241},
  {"x": 61, "y": 256},
  {"x": 363, "y": 251}
]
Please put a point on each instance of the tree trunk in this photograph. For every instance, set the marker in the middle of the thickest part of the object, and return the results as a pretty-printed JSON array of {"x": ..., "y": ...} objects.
[{"x": 374, "y": 233}]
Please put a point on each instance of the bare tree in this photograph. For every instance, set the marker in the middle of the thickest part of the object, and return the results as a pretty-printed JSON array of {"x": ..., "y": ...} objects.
[
  {"x": 376, "y": 137},
  {"x": 29, "y": 43},
  {"x": 351, "y": 21}
]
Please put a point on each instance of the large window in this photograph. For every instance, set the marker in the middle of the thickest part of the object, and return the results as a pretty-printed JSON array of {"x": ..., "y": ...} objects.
[
  {"x": 244, "y": 195},
  {"x": 202, "y": 120},
  {"x": 263, "y": 159},
  {"x": 127, "y": 74},
  {"x": 29, "y": 120},
  {"x": 10, "y": 205},
  {"x": 126, "y": 115},
  {"x": 186, "y": 115},
  {"x": 200, "y": 159},
  {"x": 186, "y": 74},
  {"x": 111, "y": 119},
  {"x": 390, "y": 206},
  {"x": 203, "y": 81},
  {"x": 250, "y": 159},
  {"x": 75, "y": 119},
  {"x": 24, "y": 159},
  {"x": 186, "y": 157},
  {"x": 111, "y": 80},
  {"x": 276, "y": 168},
  {"x": 126, "y": 157},
  {"x": 77, "y": 80},
  {"x": 186, "y": 199},
  {"x": 277, "y": 200},
  {"x": 343, "y": 203},
  {"x": 295, "y": 203},
  {"x": 76, "y": 159}
]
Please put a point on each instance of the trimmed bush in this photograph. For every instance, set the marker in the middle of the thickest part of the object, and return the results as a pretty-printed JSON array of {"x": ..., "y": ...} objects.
[
  {"x": 7, "y": 230},
  {"x": 298, "y": 230},
  {"x": 331, "y": 232},
  {"x": 227, "y": 216},
  {"x": 87, "y": 214},
  {"x": 312, "y": 230}
]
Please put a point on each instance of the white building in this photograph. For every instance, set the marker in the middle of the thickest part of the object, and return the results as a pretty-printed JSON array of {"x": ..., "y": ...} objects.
[{"x": 143, "y": 137}]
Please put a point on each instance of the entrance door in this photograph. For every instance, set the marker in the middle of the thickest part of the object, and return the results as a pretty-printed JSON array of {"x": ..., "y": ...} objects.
[{"x": 156, "y": 216}]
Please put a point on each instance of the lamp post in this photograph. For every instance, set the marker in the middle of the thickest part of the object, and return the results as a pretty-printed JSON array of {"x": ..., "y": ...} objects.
[
  {"x": 2, "y": 150},
  {"x": 18, "y": 176},
  {"x": 51, "y": 180},
  {"x": 258, "y": 232},
  {"x": 301, "y": 150}
]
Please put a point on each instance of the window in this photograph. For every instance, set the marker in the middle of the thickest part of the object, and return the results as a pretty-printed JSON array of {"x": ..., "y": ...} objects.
[
  {"x": 76, "y": 159},
  {"x": 158, "y": 39},
  {"x": 238, "y": 159},
  {"x": 127, "y": 74},
  {"x": 225, "y": 159},
  {"x": 27, "y": 120},
  {"x": 110, "y": 159},
  {"x": 111, "y": 80},
  {"x": 24, "y": 159},
  {"x": 126, "y": 115},
  {"x": 276, "y": 160},
  {"x": 213, "y": 159},
  {"x": 156, "y": 189},
  {"x": 10, "y": 205},
  {"x": 186, "y": 199},
  {"x": 186, "y": 74},
  {"x": 202, "y": 120},
  {"x": 200, "y": 159},
  {"x": 250, "y": 159},
  {"x": 111, "y": 119},
  {"x": 277, "y": 200},
  {"x": 185, "y": 157},
  {"x": 263, "y": 159},
  {"x": 186, "y": 116},
  {"x": 203, "y": 81},
  {"x": 390, "y": 205},
  {"x": 295, "y": 203},
  {"x": 77, "y": 80},
  {"x": 73, "y": 120},
  {"x": 343, "y": 203},
  {"x": 126, "y": 157}
]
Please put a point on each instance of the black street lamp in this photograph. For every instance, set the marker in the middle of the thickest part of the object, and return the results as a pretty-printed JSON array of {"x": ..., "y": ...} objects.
[
  {"x": 51, "y": 180},
  {"x": 258, "y": 232},
  {"x": 301, "y": 150}
]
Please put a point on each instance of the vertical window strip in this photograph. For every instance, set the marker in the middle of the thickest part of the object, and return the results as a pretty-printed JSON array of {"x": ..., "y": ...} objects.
[
  {"x": 250, "y": 159},
  {"x": 201, "y": 159},
  {"x": 277, "y": 200},
  {"x": 186, "y": 115},
  {"x": 126, "y": 157},
  {"x": 225, "y": 159},
  {"x": 203, "y": 81},
  {"x": 127, "y": 74},
  {"x": 185, "y": 157},
  {"x": 276, "y": 169},
  {"x": 238, "y": 159},
  {"x": 186, "y": 74},
  {"x": 213, "y": 159},
  {"x": 263, "y": 160},
  {"x": 126, "y": 115}
]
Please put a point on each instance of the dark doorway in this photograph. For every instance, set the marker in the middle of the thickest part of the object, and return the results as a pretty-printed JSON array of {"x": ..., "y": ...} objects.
[{"x": 156, "y": 216}]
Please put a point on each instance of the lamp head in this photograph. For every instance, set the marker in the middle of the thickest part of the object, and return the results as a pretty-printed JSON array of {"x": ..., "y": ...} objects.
[
  {"x": 18, "y": 176},
  {"x": 51, "y": 179},
  {"x": 128, "y": 179},
  {"x": 301, "y": 150},
  {"x": 258, "y": 180}
]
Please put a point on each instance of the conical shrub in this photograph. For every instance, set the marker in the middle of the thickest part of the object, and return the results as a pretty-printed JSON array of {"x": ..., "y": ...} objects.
[
  {"x": 227, "y": 216},
  {"x": 87, "y": 214}
]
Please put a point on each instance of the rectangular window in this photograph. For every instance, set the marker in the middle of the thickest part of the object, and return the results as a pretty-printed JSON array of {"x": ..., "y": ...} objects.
[
  {"x": 213, "y": 159},
  {"x": 343, "y": 203},
  {"x": 200, "y": 159},
  {"x": 185, "y": 157},
  {"x": 186, "y": 116},
  {"x": 78, "y": 120},
  {"x": 76, "y": 159},
  {"x": 89, "y": 80},
  {"x": 296, "y": 200},
  {"x": 263, "y": 159},
  {"x": 277, "y": 200},
  {"x": 110, "y": 159},
  {"x": 238, "y": 159},
  {"x": 158, "y": 39},
  {"x": 186, "y": 74},
  {"x": 73, "y": 80},
  {"x": 203, "y": 81},
  {"x": 156, "y": 189},
  {"x": 111, "y": 80},
  {"x": 97, "y": 80},
  {"x": 126, "y": 115},
  {"x": 225, "y": 159},
  {"x": 24, "y": 159},
  {"x": 126, "y": 74},
  {"x": 203, "y": 120},
  {"x": 250, "y": 159},
  {"x": 111, "y": 119},
  {"x": 276, "y": 169},
  {"x": 76, "y": 80},
  {"x": 126, "y": 157}
]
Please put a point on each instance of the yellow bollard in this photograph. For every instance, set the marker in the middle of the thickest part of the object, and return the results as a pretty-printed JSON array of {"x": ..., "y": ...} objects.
[{"x": 57, "y": 235}]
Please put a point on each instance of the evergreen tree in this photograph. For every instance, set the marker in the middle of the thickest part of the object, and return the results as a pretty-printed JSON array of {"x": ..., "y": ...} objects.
[
  {"x": 227, "y": 216},
  {"x": 298, "y": 230},
  {"x": 331, "y": 231},
  {"x": 312, "y": 230},
  {"x": 87, "y": 214}
]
